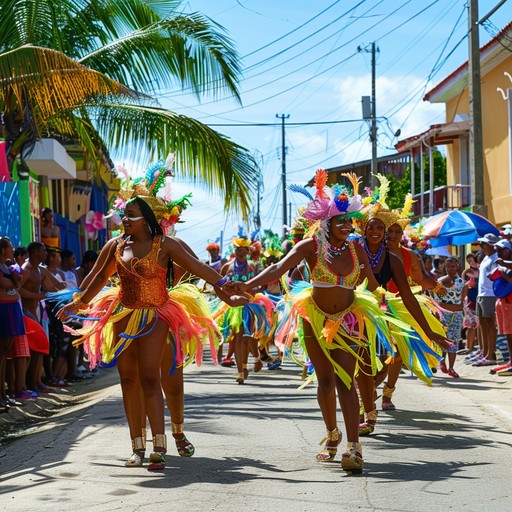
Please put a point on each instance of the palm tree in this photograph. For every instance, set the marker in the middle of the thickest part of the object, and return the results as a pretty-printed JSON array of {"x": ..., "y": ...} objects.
[{"x": 89, "y": 71}]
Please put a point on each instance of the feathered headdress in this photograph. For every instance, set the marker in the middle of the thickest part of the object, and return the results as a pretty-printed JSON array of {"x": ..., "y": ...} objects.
[
  {"x": 375, "y": 206},
  {"x": 167, "y": 211},
  {"x": 272, "y": 244},
  {"x": 405, "y": 214},
  {"x": 331, "y": 202},
  {"x": 241, "y": 240}
]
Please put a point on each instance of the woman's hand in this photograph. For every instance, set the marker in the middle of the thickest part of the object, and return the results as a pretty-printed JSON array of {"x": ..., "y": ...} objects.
[
  {"x": 65, "y": 311},
  {"x": 235, "y": 287},
  {"x": 441, "y": 340}
]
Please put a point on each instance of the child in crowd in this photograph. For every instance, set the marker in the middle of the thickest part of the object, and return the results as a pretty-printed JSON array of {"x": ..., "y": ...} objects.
[{"x": 452, "y": 301}]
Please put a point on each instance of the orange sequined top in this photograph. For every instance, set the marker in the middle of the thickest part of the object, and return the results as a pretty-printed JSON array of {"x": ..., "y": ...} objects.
[
  {"x": 142, "y": 280},
  {"x": 323, "y": 276}
]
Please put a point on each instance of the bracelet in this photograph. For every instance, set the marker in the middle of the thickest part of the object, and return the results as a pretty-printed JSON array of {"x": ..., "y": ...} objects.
[
  {"x": 222, "y": 281},
  {"x": 77, "y": 301}
]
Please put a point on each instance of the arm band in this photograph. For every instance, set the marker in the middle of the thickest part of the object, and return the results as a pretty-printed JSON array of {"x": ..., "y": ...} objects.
[{"x": 222, "y": 281}]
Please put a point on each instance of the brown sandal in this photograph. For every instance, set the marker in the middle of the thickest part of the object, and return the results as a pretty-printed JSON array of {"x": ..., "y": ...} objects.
[{"x": 331, "y": 440}]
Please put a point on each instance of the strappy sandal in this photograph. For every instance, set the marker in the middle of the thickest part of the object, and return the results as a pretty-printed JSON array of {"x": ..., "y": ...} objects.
[
  {"x": 137, "y": 457},
  {"x": 387, "y": 392},
  {"x": 183, "y": 445},
  {"x": 367, "y": 428},
  {"x": 352, "y": 459},
  {"x": 331, "y": 440},
  {"x": 240, "y": 379},
  {"x": 157, "y": 457}
]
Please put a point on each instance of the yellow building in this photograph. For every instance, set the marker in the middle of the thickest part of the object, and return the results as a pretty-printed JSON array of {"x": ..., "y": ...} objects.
[{"x": 496, "y": 86}]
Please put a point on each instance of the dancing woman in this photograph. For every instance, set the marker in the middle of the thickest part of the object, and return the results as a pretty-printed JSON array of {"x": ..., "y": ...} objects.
[
  {"x": 415, "y": 350},
  {"x": 135, "y": 319},
  {"x": 333, "y": 314}
]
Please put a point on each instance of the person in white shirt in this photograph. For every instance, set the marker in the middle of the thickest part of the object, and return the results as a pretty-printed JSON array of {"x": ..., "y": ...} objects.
[{"x": 486, "y": 302}]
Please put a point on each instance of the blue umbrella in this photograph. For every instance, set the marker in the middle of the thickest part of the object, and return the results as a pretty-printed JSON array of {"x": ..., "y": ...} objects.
[{"x": 456, "y": 227}]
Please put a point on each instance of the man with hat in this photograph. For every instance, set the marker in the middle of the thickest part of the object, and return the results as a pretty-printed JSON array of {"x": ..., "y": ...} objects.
[
  {"x": 486, "y": 301},
  {"x": 504, "y": 301}
]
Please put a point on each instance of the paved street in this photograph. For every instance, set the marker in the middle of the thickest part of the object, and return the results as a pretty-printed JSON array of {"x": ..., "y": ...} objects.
[{"x": 446, "y": 448}]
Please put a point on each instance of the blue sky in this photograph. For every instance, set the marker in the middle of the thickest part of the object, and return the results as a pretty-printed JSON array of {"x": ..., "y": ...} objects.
[{"x": 300, "y": 59}]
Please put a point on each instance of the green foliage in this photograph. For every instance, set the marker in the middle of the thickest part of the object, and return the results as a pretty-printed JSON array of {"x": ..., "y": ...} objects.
[{"x": 399, "y": 188}]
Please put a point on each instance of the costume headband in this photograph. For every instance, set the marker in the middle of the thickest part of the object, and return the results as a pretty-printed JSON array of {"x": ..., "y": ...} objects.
[{"x": 166, "y": 211}]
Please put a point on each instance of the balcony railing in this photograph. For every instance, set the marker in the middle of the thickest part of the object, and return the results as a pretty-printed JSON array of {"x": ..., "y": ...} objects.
[{"x": 447, "y": 197}]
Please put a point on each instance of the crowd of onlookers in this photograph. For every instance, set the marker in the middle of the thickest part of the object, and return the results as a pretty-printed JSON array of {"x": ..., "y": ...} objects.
[
  {"x": 478, "y": 304},
  {"x": 37, "y": 355}
]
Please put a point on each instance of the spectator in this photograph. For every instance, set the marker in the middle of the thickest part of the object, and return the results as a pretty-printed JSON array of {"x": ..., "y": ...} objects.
[
  {"x": 486, "y": 302},
  {"x": 470, "y": 322},
  {"x": 452, "y": 300},
  {"x": 50, "y": 234},
  {"x": 88, "y": 260},
  {"x": 67, "y": 267},
  {"x": 35, "y": 278},
  {"x": 438, "y": 270},
  {"x": 11, "y": 316},
  {"x": 504, "y": 305},
  {"x": 20, "y": 255}
]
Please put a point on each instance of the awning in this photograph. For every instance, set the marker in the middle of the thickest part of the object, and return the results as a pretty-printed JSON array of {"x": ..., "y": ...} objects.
[
  {"x": 49, "y": 158},
  {"x": 436, "y": 135}
]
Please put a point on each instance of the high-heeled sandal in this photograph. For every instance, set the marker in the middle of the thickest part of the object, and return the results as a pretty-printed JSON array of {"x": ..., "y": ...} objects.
[
  {"x": 387, "y": 392},
  {"x": 246, "y": 371},
  {"x": 137, "y": 457},
  {"x": 331, "y": 440},
  {"x": 366, "y": 428},
  {"x": 184, "y": 446},
  {"x": 240, "y": 379},
  {"x": 157, "y": 456},
  {"x": 352, "y": 459}
]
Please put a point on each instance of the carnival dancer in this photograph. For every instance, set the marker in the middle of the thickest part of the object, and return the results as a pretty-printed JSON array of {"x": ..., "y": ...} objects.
[
  {"x": 416, "y": 349},
  {"x": 332, "y": 313},
  {"x": 135, "y": 318},
  {"x": 244, "y": 326},
  {"x": 216, "y": 261}
]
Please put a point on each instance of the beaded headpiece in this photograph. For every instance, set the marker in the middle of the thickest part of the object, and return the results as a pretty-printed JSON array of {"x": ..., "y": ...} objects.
[{"x": 166, "y": 211}]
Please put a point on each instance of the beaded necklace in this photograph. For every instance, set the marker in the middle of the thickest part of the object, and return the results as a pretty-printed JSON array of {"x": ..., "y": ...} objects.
[
  {"x": 374, "y": 258},
  {"x": 239, "y": 271},
  {"x": 333, "y": 250}
]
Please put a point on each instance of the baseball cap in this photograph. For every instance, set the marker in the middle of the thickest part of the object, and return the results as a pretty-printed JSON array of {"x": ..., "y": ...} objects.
[
  {"x": 503, "y": 244},
  {"x": 489, "y": 238}
]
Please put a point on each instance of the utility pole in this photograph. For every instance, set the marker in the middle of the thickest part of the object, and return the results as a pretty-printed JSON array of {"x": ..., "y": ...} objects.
[
  {"x": 373, "y": 118},
  {"x": 283, "y": 167},
  {"x": 476, "y": 160}
]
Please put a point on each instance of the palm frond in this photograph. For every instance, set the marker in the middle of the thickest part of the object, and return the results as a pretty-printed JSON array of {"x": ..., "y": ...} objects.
[
  {"x": 48, "y": 82},
  {"x": 202, "y": 154},
  {"x": 189, "y": 50}
]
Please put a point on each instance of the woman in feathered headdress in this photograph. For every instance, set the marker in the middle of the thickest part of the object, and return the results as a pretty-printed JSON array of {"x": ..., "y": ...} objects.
[
  {"x": 416, "y": 349},
  {"x": 243, "y": 326},
  {"x": 131, "y": 323},
  {"x": 336, "y": 319}
]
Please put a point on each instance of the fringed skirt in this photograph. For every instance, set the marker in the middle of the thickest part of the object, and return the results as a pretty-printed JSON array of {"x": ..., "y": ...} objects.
[
  {"x": 254, "y": 319},
  {"x": 186, "y": 313}
]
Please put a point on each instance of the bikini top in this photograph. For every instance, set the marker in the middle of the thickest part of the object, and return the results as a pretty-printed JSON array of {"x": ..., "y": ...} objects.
[
  {"x": 384, "y": 276},
  {"x": 322, "y": 276},
  {"x": 142, "y": 279}
]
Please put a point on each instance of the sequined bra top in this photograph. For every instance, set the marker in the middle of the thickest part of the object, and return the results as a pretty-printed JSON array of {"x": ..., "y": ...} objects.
[
  {"x": 323, "y": 276},
  {"x": 142, "y": 280}
]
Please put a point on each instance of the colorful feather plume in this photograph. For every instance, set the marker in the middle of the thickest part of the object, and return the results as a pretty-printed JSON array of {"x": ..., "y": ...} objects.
[
  {"x": 383, "y": 189},
  {"x": 354, "y": 181},
  {"x": 301, "y": 190},
  {"x": 320, "y": 183},
  {"x": 406, "y": 210}
]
